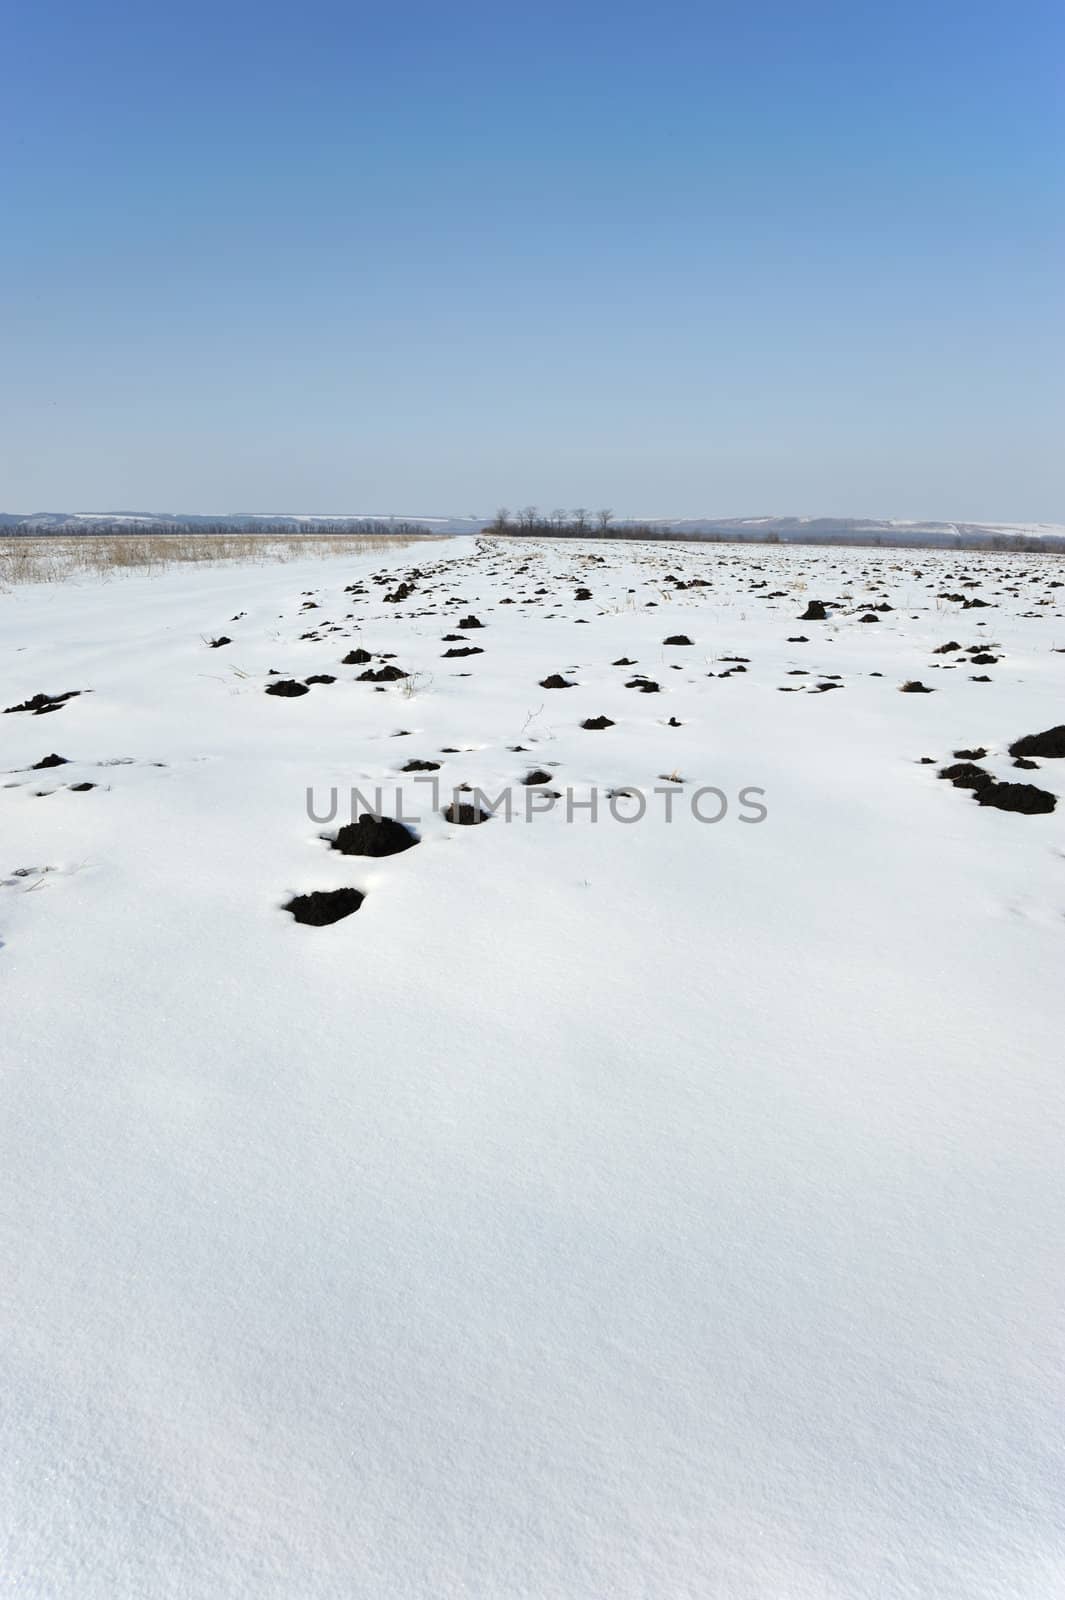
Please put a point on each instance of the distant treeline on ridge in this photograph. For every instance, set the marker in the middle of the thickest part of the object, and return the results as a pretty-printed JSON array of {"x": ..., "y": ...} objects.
[
  {"x": 530, "y": 522},
  {"x": 584, "y": 524}
]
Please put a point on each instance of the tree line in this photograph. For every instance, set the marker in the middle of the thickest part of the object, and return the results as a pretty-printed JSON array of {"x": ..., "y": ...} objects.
[{"x": 580, "y": 523}]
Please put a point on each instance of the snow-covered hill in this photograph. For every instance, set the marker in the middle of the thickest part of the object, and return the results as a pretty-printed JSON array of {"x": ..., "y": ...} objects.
[
  {"x": 268, "y": 521},
  {"x": 789, "y": 530}
]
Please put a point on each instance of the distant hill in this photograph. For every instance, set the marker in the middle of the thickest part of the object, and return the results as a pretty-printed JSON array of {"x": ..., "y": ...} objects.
[
  {"x": 777, "y": 530},
  {"x": 267, "y": 521},
  {"x": 870, "y": 530}
]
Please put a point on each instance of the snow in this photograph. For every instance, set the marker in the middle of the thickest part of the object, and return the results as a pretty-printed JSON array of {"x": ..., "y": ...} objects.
[
  {"x": 117, "y": 516},
  {"x": 659, "y": 1210}
]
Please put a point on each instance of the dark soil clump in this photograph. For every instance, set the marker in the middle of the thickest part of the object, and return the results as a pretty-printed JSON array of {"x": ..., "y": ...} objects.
[
  {"x": 1022, "y": 797},
  {"x": 324, "y": 906},
  {"x": 1050, "y": 744},
  {"x": 41, "y": 704},
  {"x": 287, "y": 688},
  {"x": 464, "y": 815},
  {"x": 374, "y": 836},
  {"x": 964, "y": 775},
  {"x": 597, "y": 723},
  {"x": 387, "y": 674}
]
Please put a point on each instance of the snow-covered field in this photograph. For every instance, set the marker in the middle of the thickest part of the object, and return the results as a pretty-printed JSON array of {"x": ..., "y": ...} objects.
[{"x": 658, "y": 1210}]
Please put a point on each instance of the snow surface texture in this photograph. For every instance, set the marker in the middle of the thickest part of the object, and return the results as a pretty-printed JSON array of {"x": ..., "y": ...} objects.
[{"x": 652, "y": 1210}]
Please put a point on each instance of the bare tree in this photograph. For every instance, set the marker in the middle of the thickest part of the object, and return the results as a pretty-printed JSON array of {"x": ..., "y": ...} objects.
[
  {"x": 604, "y": 518},
  {"x": 580, "y": 519}
]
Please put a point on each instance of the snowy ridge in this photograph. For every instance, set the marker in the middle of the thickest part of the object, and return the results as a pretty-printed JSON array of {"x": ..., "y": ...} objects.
[{"x": 782, "y": 529}]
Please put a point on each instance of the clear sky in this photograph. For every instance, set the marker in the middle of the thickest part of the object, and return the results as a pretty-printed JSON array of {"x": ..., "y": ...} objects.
[{"x": 679, "y": 258}]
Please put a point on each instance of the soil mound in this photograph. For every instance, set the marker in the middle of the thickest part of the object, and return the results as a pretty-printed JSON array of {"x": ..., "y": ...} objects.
[
  {"x": 1022, "y": 797},
  {"x": 324, "y": 906},
  {"x": 287, "y": 688},
  {"x": 374, "y": 836},
  {"x": 1050, "y": 744}
]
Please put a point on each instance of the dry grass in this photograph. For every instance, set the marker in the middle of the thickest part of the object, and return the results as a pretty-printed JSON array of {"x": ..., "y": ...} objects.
[{"x": 55, "y": 558}]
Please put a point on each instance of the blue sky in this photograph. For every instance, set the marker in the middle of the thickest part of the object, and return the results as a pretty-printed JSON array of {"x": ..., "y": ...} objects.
[{"x": 676, "y": 258}]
